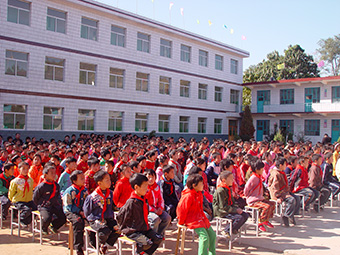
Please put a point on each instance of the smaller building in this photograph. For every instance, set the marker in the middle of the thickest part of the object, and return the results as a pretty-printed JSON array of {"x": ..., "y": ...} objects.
[{"x": 308, "y": 107}]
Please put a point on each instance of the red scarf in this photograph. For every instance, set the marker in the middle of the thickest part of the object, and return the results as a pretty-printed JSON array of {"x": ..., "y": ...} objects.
[
  {"x": 169, "y": 183},
  {"x": 286, "y": 180},
  {"x": 145, "y": 207},
  {"x": 80, "y": 189},
  {"x": 100, "y": 193},
  {"x": 54, "y": 188},
  {"x": 223, "y": 185},
  {"x": 68, "y": 171},
  {"x": 26, "y": 185}
]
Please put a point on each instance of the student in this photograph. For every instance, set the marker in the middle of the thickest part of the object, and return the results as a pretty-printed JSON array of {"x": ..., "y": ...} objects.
[
  {"x": 64, "y": 180},
  {"x": 124, "y": 159},
  {"x": 5, "y": 179},
  {"x": 135, "y": 167},
  {"x": 48, "y": 200},
  {"x": 190, "y": 213},
  {"x": 82, "y": 164},
  {"x": 163, "y": 161},
  {"x": 105, "y": 155},
  {"x": 59, "y": 169},
  {"x": 98, "y": 210},
  {"x": 36, "y": 170},
  {"x": 328, "y": 178},
  {"x": 16, "y": 160},
  {"x": 279, "y": 190},
  {"x": 21, "y": 194},
  {"x": 213, "y": 169},
  {"x": 123, "y": 188},
  {"x": 90, "y": 183},
  {"x": 254, "y": 194},
  {"x": 136, "y": 207},
  {"x": 224, "y": 205},
  {"x": 73, "y": 201},
  {"x": 109, "y": 166},
  {"x": 291, "y": 165},
  {"x": 177, "y": 167},
  {"x": 315, "y": 181},
  {"x": 151, "y": 159},
  {"x": 158, "y": 219},
  {"x": 168, "y": 189}
]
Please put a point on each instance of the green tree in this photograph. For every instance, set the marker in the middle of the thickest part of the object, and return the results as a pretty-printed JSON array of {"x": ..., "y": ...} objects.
[
  {"x": 247, "y": 127},
  {"x": 330, "y": 53},
  {"x": 246, "y": 96}
]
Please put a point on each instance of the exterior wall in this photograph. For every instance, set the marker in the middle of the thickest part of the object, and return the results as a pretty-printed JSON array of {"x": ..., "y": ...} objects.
[{"x": 36, "y": 92}]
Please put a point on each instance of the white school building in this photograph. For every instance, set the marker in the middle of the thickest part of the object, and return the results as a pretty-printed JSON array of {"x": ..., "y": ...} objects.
[
  {"x": 308, "y": 107},
  {"x": 73, "y": 66}
]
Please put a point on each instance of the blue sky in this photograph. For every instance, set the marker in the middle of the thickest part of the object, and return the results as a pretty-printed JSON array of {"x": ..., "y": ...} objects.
[{"x": 268, "y": 25}]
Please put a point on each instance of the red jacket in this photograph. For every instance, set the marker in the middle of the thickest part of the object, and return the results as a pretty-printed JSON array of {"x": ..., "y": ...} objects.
[
  {"x": 154, "y": 197},
  {"x": 83, "y": 166},
  {"x": 303, "y": 175},
  {"x": 190, "y": 210},
  {"x": 122, "y": 192}
]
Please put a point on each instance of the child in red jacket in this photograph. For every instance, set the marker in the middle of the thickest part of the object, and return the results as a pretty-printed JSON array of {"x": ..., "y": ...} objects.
[
  {"x": 190, "y": 213},
  {"x": 123, "y": 187}
]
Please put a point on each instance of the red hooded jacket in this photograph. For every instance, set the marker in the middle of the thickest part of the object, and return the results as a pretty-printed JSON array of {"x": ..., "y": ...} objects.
[
  {"x": 122, "y": 192},
  {"x": 154, "y": 197}
]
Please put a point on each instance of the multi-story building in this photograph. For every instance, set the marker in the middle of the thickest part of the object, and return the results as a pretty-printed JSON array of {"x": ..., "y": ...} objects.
[
  {"x": 82, "y": 66},
  {"x": 307, "y": 107}
]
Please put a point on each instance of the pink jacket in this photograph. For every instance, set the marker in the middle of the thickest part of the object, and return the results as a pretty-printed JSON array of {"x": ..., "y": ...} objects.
[{"x": 254, "y": 189}]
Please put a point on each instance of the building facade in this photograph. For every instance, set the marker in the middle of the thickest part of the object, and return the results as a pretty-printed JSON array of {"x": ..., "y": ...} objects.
[
  {"x": 307, "y": 107},
  {"x": 82, "y": 66}
]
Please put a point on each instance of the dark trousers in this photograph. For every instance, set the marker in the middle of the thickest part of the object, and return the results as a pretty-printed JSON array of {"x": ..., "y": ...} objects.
[
  {"x": 47, "y": 217},
  {"x": 106, "y": 232},
  {"x": 309, "y": 195},
  {"x": 78, "y": 224},
  {"x": 325, "y": 192},
  {"x": 147, "y": 241},
  {"x": 26, "y": 209},
  {"x": 291, "y": 205},
  {"x": 238, "y": 221},
  {"x": 335, "y": 187},
  {"x": 6, "y": 203},
  {"x": 171, "y": 210}
]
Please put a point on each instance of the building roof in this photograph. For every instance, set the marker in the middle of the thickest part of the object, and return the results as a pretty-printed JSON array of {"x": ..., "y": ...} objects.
[
  {"x": 154, "y": 23},
  {"x": 298, "y": 82}
]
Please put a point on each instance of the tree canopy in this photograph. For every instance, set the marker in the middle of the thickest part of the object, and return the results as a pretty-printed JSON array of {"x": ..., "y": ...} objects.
[{"x": 330, "y": 53}]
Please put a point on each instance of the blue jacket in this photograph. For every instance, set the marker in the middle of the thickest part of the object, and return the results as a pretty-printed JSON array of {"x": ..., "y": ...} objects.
[
  {"x": 64, "y": 182},
  {"x": 70, "y": 200},
  {"x": 93, "y": 206}
]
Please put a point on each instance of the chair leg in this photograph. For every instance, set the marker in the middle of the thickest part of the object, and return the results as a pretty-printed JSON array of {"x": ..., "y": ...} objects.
[
  {"x": 177, "y": 240},
  {"x": 182, "y": 242}
]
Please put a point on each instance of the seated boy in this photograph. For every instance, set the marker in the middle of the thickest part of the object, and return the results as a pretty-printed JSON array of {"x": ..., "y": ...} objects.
[
  {"x": 279, "y": 190},
  {"x": 58, "y": 168},
  {"x": 82, "y": 164},
  {"x": 167, "y": 186},
  {"x": 36, "y": 170},
  {"x": 21, "y": 194},
  {"x": 224, "y": 205},
  {"x": 64, "y": 180},
  {"x": 98, "y": 210},
  {"x": 328, "y": 178},
  {"x": 136, "y": 207},
  {"x": 213, "y": 169},
  {"x": 109, "y": 166},
  {"x": 158, "y": 218},
  {"x": 48, "y": 200},
  {"x": 123, "y": 188},
  {"x": 74, "y": 197},
  {"x": 94, "y": 167},
  {"x": 5, "y": 179},
  {"x": 315, "y": 180}
]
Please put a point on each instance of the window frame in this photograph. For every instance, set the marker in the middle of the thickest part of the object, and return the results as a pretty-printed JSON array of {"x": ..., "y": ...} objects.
[
  {"x": 218, "y": 94},
  {"x": 145, "y": 44},
  {"x": 202, "y": 91},
  {"x": 15, "y": 114},
  {"x": 218, "y": 126},
  {"x": 114, "y": 78},
  {"x": 89, "y": 28},
  {"x": 87, "y": 118},
  {"x": 233, "y": 66},
  {"x": 114, "y": 116},
  {"x": 162, "y": 123},
  {"x": 315, "y": 92},
  {"x": 184, "y": 90},
  {"x": 17, "y": 61},
  {"x": 163, "y": 84},
  {"x": 185, "y": 53},
  {"x": 314, "y": 124},
  {"x": 266, "y": 96},
  {"x": 62, "y": 21},
  {"x": 120, "y": 38},
  {"x": 203, "y": 57},
  {"x": 53, "y": 117},
  {"x": 87, "y": 72},
  {"x": 287, "y": 96},
  {"x": 201, "y": 125},
  {"x": 140, "y": 82},
  {"x": 335, "y": 94},
  {"x": 184, "y": 122},
  {"x": 165, "y": 50},
  {"x": 142, "y": 121},
  {"x": 54, "y": 67},
  {"x": 234, "y": 96},
  {"x": 218, "y": 62},
  {"x": 19, "y": 12},
  {"x": 288, "y": 125}
]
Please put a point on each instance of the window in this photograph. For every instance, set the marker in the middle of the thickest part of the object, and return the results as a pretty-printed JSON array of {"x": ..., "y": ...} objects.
[
  {"x": 218, "y": 126},
  {"x": 263, "y": 95},
  {"x": 218, "y": 94},
  {"x": 56, "y": 21},
  {"x": 202, "y": 91},
  {"x": 312, "y": 94},
  {"x": 86, "y": 119},
  {"x": 141, "y": 122},
  {"x": 336, "y": 94},
  {"x": 234, "y": 96},
  {"x": 116, "y": 78},
  {"x": 89, "y": 29},
  {"x": 165, "y": 49},
  {"x": 312, "y": 127},
  {"x": 164, "y": 85},
  {"x": 184, "y": 88},
  {"x": 142, "y": 82},
  {"x": 14, "y": 116},
  {"x": 203, "y": 58},
  {"x": 218, "y": 62},
  {"x": 263, "y": 125},
  {"x": 183, "y": 124},
  {"x": 118, "y": 36},
  {"x": 115, "y": 121},
  {"x": 54, "y": 69},
  {"x": 287, "y": 126},
  {"x": 53, "y": 118},
  {"x": 143, "y": 42},
  {"x": 16, "y": 63},
  {"x": 87, "y": 74},
  {"x": 286, "y": 96},
  {"x": 202, "y": 124},
  {"x": 18, "y": 12},
  {"x": 185, "y": 53},
  {"x": 233, "y": 66},
  {"x": 163, "y": 123}
]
